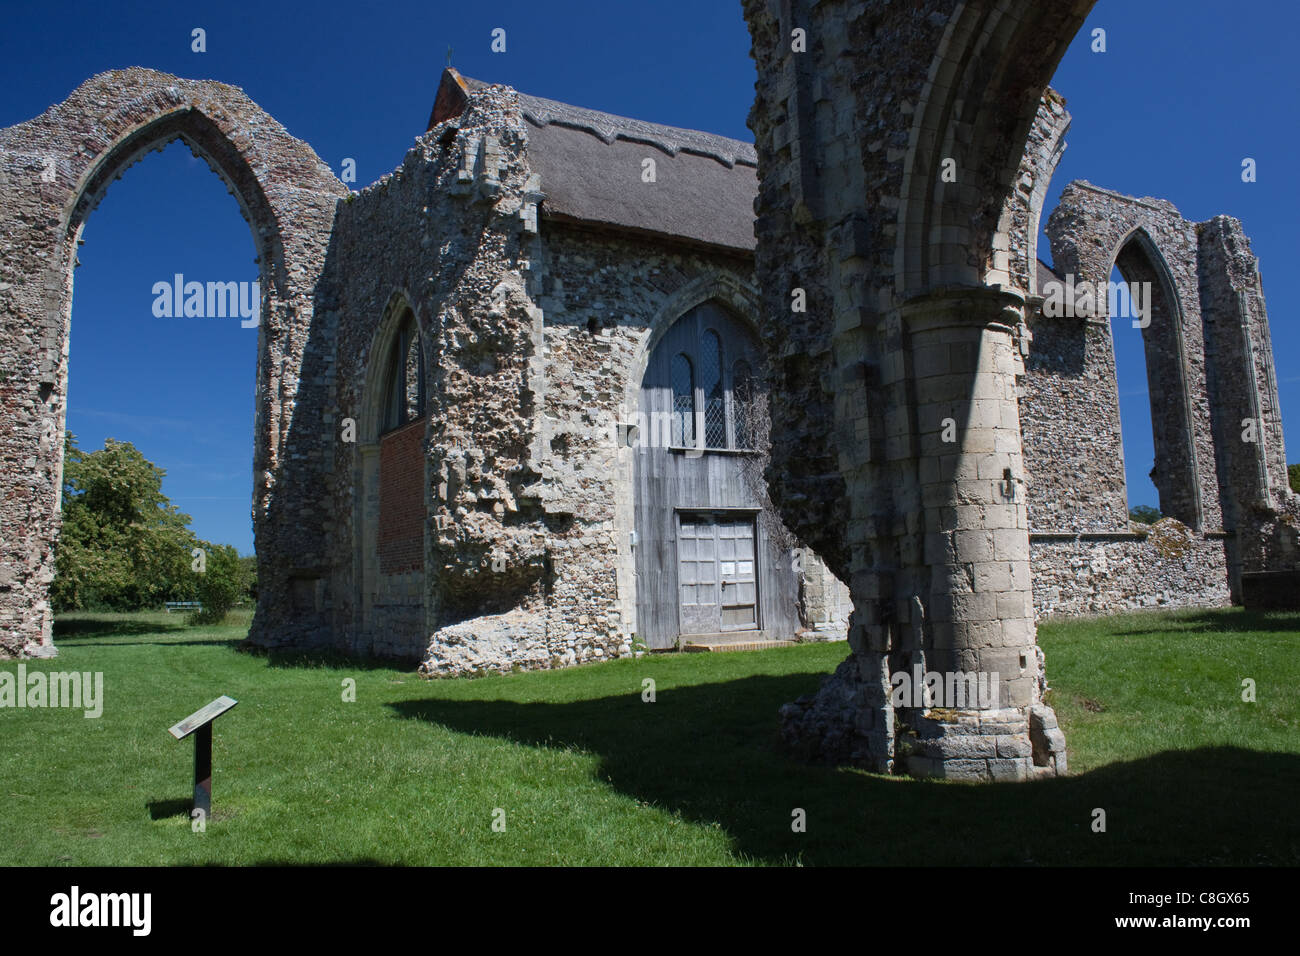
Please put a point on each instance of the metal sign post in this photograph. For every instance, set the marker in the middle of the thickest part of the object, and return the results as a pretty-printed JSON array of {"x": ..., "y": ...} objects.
[{"x": 201, "y": 721}]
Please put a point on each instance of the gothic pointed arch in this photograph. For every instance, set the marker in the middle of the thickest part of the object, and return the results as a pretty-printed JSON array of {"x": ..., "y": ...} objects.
[{"x": 54, "y": 169}]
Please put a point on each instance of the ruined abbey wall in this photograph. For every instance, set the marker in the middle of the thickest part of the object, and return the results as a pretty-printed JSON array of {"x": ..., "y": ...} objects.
[
  {"x": 54, "y": 169},
  {"x": 1219, "y": 456}
]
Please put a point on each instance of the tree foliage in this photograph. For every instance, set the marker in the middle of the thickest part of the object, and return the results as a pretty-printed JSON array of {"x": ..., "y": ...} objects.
[
  {"x": 1293, "y": 475},
  {"x": 123, "y": 546},
  {"x": 225, "y": 581}
]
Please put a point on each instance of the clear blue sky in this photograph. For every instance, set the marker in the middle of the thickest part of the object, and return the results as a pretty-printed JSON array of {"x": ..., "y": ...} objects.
[{"x": 1185, "y": 91}]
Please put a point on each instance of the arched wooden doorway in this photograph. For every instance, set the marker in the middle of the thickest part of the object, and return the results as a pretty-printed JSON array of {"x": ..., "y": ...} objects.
[{"x": 709, "y": 560}]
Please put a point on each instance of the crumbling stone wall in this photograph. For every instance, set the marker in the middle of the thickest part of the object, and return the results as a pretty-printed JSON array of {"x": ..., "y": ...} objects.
[
  {"x": 1069, "y": 414},
  {"x": 1094, "y": 230},
  {"x": 1170, "y": 566},
  {"x": 447, "y": 234},
  {"x": 535, "y": 335},
  {"x": 1220, "y": 459},
  {"x": 54, "y": 169},
  {"x": 1242, "y": 382}
]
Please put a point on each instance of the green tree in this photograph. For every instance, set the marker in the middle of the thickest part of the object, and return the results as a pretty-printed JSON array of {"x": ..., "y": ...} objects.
[
  {"x": 1293, "y": 475},
  {"x": 123, "y": 546},
  {"x": 250, "y": 570},
  {"x": 1144, "y": 514},
  {"x": 222, "y": 584}
]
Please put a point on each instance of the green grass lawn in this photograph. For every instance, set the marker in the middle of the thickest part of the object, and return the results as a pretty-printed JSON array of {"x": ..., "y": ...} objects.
[{"x": 588, "y": 773}]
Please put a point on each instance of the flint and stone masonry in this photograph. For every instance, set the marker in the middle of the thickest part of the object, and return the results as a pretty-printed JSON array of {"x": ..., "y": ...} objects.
[
  {"x": 456, "y": 363},
  {"x": 904, "y": 153}
]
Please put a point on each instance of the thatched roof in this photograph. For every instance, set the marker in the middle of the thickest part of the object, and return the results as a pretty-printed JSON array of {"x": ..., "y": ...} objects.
[{"x": 591, "y": 163}]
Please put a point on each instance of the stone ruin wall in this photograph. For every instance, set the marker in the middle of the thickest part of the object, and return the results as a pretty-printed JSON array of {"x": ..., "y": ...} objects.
[
  {"x": 1087, "y": 557},
  {"x": 450, "y": 234},
  {"x": 54, "y": 169},
  {"x": 1264, "y": 509},
  {"x": 534, "y": 350},
  {"x": 1091, "y": 228}
]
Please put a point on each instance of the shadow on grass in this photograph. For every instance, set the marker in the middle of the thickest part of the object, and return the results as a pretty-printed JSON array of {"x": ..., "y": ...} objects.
[
  {"x": 711, "y": 753},
  {"x": 331, "y": 659},
  {"x": 124, "y": 626},
  {"x": 1221, "y": 622},
  {"x": 166, "y": 809}
]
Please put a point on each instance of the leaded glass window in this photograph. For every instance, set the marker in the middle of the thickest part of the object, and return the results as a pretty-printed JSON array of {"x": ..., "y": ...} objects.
[
  {"x": 715, "y": 410},
  {"x": 683, "y": 382}
]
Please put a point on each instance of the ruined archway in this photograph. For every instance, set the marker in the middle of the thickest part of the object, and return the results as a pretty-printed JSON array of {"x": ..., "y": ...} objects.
[
  {"x": 1094, "y": 230},
  {"x": 53, "y": 170},
  {"x": 897, "y": 451}
]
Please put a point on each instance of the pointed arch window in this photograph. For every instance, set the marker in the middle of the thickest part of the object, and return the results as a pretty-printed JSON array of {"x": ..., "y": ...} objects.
[{"x": 405, "y": 400}]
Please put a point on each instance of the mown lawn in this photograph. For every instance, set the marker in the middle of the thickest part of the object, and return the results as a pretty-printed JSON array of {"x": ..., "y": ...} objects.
[{"x": 588, "y": 773}]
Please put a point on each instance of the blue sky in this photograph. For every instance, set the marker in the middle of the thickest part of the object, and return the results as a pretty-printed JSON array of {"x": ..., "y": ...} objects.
[{"x": 1183, "y": 93}]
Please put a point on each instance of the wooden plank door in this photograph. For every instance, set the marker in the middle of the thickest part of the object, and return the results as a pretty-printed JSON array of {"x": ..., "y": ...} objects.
[
  {"x": 738, "y": 594},
  {"x": 697, "y": 561},
  {"x": 717, "y": 573}
]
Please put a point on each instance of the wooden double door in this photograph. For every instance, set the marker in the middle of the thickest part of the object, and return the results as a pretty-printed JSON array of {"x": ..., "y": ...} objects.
[{"x": 717, "y": 572}]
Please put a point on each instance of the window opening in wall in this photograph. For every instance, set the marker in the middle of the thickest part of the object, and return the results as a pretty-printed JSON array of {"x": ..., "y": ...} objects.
[
  {"x": 406, "y": 395},
  {"x": 1135, "y": 412}
]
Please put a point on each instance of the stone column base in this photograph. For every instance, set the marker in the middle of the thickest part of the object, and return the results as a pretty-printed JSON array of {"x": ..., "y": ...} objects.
[
  {"x": 1003, "y": 744},
  {"x": 849, "y": 722}
]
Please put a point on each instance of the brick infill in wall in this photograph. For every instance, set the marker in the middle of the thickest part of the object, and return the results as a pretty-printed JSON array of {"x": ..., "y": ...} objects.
[{"x": 401, "y": 499}]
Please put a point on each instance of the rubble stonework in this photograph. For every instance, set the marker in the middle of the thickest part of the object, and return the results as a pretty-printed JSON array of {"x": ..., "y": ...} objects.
[
  {"x": 1169, "y": 566},
  {"x": 535, "y": 331},
  {"x": 1220, "y": 460}
]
